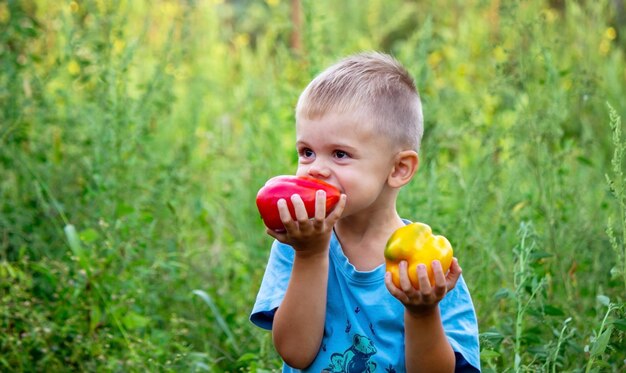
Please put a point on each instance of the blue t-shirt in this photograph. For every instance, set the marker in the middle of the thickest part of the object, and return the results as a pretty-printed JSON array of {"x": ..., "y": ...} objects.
[{"x": 364, "y": 328}]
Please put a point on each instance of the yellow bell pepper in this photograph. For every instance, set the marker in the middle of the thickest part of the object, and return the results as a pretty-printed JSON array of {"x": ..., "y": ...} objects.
[{"x": 416, "y": 244}]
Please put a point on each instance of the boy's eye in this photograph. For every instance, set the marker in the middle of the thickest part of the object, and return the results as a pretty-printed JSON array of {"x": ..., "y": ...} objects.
[
  {"x": 341, "y": 154},
  {"x": 306, "y": 153}
]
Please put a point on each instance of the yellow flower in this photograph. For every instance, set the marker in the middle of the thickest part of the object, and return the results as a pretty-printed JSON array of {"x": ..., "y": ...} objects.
[
  {"x": 102, "y": 5},
  {"x": 434, "y": 59},
  {"x": 566, "y": 84},
  {"x": 5, "y": 13},
  {"x": 118, "y": 46},
  {"x": 74, "y": 6},
  {"x": 169, "y": 9},
  {"x": 73, "y": 67},
  {"x": 550, "y": 15},
  {"x": 610, "y": 33},
  {"x": 272, "y": 2},
  {"x": 499, "y": 54},
  {"x": 242, "y": 40}
]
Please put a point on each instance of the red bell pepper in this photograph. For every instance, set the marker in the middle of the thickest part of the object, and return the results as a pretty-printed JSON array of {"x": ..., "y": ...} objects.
[{"x": 283, "y": 187}]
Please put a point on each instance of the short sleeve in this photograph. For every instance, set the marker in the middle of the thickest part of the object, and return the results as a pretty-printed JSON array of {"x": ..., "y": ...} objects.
[
  {"x": 273, "y": 285},
  {"x": 461, "y": 327}
]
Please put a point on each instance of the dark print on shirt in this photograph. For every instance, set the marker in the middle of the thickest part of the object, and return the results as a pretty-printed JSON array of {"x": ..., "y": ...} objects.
[{"x": 356, "y": 359}]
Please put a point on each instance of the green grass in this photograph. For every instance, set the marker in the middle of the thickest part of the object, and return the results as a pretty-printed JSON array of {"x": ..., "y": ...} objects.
[{"x": 135, "y": 135}]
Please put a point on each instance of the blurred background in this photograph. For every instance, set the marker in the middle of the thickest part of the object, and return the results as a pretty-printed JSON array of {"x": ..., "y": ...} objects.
[{"x": 135, "y": 134}]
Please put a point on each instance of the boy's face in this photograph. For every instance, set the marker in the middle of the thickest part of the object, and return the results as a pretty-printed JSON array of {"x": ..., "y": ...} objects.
[{"x": 349, "y": 154}]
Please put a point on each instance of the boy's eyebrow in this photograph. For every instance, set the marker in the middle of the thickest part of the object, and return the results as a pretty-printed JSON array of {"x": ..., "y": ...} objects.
[
  {"x": 300, "y": 143},
  {"x": 334, "y": 145},
  {"x": 343, "y": 146}
]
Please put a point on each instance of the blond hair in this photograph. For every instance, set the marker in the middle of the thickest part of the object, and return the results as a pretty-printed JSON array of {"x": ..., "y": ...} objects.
[{"x": 373, "y": 86}]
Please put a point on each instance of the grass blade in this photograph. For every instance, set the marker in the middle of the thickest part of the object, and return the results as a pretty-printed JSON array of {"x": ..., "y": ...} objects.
[{"x": 218, "y": 317}]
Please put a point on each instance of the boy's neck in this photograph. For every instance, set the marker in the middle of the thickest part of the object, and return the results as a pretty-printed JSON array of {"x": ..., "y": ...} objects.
[{"x": 363, "y": 237}]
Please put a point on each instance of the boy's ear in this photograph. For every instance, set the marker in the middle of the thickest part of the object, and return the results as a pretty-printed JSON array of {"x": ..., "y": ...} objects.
[{"x": 404, "y": 167}]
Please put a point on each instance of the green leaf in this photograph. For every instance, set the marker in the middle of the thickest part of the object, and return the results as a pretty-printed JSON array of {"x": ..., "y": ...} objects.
[
  {"x": 133, "y": 320},
  {"x": 201, "y": 366},
  {"x": 584, "y": 160},
  {"x": 503, "y": 293},
  {"x": 620, "y": 324},
  {"x": 489, "y": 354},
  {"x": 95, "y": 316},
  {"x": 247, "y": 357},
  {"x": 537, "y": 255},
  {"x": 602, "y": 342},
  {"x": 73, "y": 240},
  {"x": 6, "y": 270},
  {"x": 553, "y": 311},
  {"x": 604, "y": 300},
  {"x": 124, "y": 209},
  {"x": 493, "y": 337},
  {"x": 89, "y": 235}
]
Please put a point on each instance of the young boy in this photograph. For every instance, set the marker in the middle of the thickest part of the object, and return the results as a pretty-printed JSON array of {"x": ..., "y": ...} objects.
[{"x": 325, "y": 294}]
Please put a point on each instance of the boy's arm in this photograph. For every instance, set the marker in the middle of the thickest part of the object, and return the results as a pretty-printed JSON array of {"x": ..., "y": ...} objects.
[
  {"x": 426, "y": 347},
  {"x": 298, "y": 325},
  {"x": 299, "y": 321}
]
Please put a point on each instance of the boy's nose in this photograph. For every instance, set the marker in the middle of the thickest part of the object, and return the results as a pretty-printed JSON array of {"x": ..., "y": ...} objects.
[{"x": 319, "y": 171}]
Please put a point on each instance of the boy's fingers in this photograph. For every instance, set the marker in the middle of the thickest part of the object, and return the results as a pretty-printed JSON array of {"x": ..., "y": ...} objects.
[
  {"x": 298, "y": 206},
  {"x": 453, "y": 274},
  {"x": 424, "y": 281},
  {"x": 320, "y": 205},
  {"x": 320, "y": 210},
  {"x": 285, "y": 215},
  {"x": 338, "y": 210},
  {"x": 455, "y": 267},
  {"x": 405, "y": 282},
  {"x": 440, "y": 279},
  {"x": 280, "y": 236},
  {"x": 391, "y": 287}
]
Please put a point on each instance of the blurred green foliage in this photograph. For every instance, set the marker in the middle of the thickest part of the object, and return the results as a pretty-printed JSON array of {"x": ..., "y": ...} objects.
[{"x": 134, "y": 136}]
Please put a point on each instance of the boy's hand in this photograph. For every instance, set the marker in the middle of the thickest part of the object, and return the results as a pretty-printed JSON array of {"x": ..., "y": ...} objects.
[
  {"x": 308, "y": 235},
  {"x": 427, "y": 297}
]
